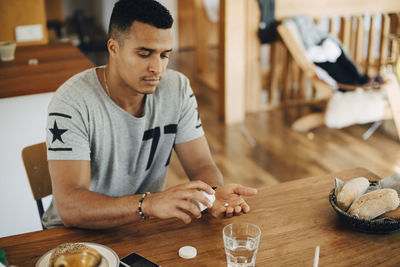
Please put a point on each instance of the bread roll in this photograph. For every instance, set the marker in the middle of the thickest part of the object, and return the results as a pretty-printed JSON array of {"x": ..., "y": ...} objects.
[
  {"x": 350, "y": 191},
  {"x": 74, "y": 255},
  {"x": 375, "y": 203},
  {"x": 394, "y": 214}
]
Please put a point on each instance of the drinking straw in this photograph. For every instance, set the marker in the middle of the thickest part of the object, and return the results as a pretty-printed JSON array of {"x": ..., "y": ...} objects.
[{"x": 316, "y": 256}]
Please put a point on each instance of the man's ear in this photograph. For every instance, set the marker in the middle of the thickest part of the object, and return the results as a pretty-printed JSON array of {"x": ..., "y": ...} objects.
[{"x": 113, "y": 46}]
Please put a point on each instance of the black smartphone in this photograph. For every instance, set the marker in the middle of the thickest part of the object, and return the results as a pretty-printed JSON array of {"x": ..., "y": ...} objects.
[{"x": 135, "y": 260}]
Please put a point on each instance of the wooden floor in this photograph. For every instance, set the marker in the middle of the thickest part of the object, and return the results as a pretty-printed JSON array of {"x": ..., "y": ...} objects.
[{"x": 280, "y": 154}]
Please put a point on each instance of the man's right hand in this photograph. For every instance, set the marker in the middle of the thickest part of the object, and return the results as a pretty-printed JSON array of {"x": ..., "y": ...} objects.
[{"x": 177, "y": 202}]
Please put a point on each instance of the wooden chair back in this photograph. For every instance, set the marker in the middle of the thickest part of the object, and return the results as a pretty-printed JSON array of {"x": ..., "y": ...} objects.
[
  {"x": 35, "y": 162},
  {"x": 298, "y": 53},
  {"x": 367, "y": 44}
]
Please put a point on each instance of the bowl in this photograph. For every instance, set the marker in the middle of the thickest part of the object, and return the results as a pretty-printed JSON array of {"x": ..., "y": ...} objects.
[{"x": 374, "y": 226}]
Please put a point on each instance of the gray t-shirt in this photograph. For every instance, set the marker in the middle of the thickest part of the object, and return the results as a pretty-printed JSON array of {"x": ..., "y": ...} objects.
[{"x": 128, "y": 155}]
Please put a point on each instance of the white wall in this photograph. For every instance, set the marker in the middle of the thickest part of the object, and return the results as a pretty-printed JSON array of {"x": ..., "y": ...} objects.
[
  {"x": 22, "y": 123},
  {"x": 172, "y": 6},
  {"x": 102, "y": 13}
]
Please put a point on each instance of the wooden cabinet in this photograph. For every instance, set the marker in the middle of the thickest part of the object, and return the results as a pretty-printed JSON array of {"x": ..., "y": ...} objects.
[{"x": 19, "y": 13}]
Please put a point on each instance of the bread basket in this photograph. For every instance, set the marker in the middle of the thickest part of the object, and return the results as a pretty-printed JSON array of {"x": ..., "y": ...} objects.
[{"x": 375, "y": 226}]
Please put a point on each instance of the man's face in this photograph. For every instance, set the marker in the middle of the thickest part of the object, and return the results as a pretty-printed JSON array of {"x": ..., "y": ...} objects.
[{"x": 142, "y": 57}]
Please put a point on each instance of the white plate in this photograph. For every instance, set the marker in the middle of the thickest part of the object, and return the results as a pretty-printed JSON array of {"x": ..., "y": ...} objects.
[{"x": 110, "y": 258}]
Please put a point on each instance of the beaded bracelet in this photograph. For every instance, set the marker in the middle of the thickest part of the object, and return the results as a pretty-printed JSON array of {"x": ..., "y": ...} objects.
[{"x": 140, "y": 206}]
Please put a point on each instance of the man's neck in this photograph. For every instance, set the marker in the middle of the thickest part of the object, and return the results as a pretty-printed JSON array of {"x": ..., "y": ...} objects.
[
  {"x": 130, "y": 101},
  {"x": 132, "y": 105}
]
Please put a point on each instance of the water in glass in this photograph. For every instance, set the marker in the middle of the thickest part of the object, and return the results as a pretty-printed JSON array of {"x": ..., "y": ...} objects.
[{"x": 241, "y": 251}]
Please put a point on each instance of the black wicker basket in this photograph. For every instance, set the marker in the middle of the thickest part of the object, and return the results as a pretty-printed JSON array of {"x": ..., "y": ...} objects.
[{"x": 375, "y": 226}]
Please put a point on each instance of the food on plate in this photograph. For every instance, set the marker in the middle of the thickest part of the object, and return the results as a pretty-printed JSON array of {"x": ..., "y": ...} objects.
[
  {"x": 375, "y": 203},
  {"x": 350, "y": 191},
  {"x": 75, "y": 255}
]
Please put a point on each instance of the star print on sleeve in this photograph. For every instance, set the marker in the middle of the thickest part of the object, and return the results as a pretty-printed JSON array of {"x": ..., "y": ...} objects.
[{"x": 58, "y": 132}]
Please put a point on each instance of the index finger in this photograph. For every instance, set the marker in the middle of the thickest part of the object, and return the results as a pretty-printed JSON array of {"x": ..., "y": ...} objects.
[
  {"x": 244, "y": 190},
  {"x": 200, "y": 185}
]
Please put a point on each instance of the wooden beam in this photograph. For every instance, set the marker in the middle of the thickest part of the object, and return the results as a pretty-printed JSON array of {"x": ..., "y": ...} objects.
[
  {"x": 345, "y": 31},
  {"x": 360, "y": 40},
  {"x": 232, "y": 64},
  {"x": 284, "y": 75},
  {"x": 392, "y": 90},
  {"x": 253, "y": 58},
  {"x": 276, "y": 67},
  {"x": 221, "y": 61},
  {"x": 206, "y": 33},
  {"x": 54, "y": 10},
  {"x": 187, "y": 37},
  {"x": 370, "y": 56},
  {"x": 201, "y": 30},
  {"x": 297, "y": 50},
  {"x": 383, "y": 51}
]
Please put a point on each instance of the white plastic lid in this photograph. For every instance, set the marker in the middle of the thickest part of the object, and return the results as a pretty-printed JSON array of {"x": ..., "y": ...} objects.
[{"x": 187, "y": 252}]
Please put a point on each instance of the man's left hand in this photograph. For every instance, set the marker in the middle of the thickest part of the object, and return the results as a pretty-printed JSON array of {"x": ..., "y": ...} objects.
[{"x": 229, "y": 201}]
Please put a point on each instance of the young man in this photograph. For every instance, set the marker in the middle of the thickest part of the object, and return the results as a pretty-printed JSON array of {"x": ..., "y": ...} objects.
[{"x": 111, "y": 131}]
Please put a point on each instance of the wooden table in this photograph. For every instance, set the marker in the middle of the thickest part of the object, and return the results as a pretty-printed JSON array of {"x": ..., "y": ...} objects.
[
  {"x": 56, "y": 63},
  {"x": 294, "y": 217}
]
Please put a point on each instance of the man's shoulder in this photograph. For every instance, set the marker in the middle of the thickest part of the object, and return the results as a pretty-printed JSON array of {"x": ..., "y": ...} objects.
[
  {"x": 173, "y": 83},
  {"x": 77, "y": 89},
  {"x": 77, "y": 83}
]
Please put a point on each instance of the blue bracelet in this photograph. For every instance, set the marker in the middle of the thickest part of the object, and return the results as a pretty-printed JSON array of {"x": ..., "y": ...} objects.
[{"x": 140, "y": 206}]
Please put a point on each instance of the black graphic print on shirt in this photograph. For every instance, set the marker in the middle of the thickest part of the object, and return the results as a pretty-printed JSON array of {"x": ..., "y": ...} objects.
[
  {"x": 57, "y": 132},
  {"x": 155, "y": 134},
  {"x": 198, "y": 125}
]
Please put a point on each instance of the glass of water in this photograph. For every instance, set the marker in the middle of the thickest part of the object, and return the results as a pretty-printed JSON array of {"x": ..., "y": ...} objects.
[{"x": 241, "y": 244}]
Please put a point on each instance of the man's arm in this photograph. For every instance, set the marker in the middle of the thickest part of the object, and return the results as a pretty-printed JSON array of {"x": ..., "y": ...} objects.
[
  {"x": 196, "y": 159},
  {"x": 79, "y": 207}
]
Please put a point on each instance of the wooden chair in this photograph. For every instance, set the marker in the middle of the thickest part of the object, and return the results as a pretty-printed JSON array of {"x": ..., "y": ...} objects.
[
  {"x": 291, "y": 40},
  {"x": 35, "y": 162}
]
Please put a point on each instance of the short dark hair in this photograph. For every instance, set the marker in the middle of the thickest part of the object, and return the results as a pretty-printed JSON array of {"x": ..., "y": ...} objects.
[{"x": 125, "y": 12}]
